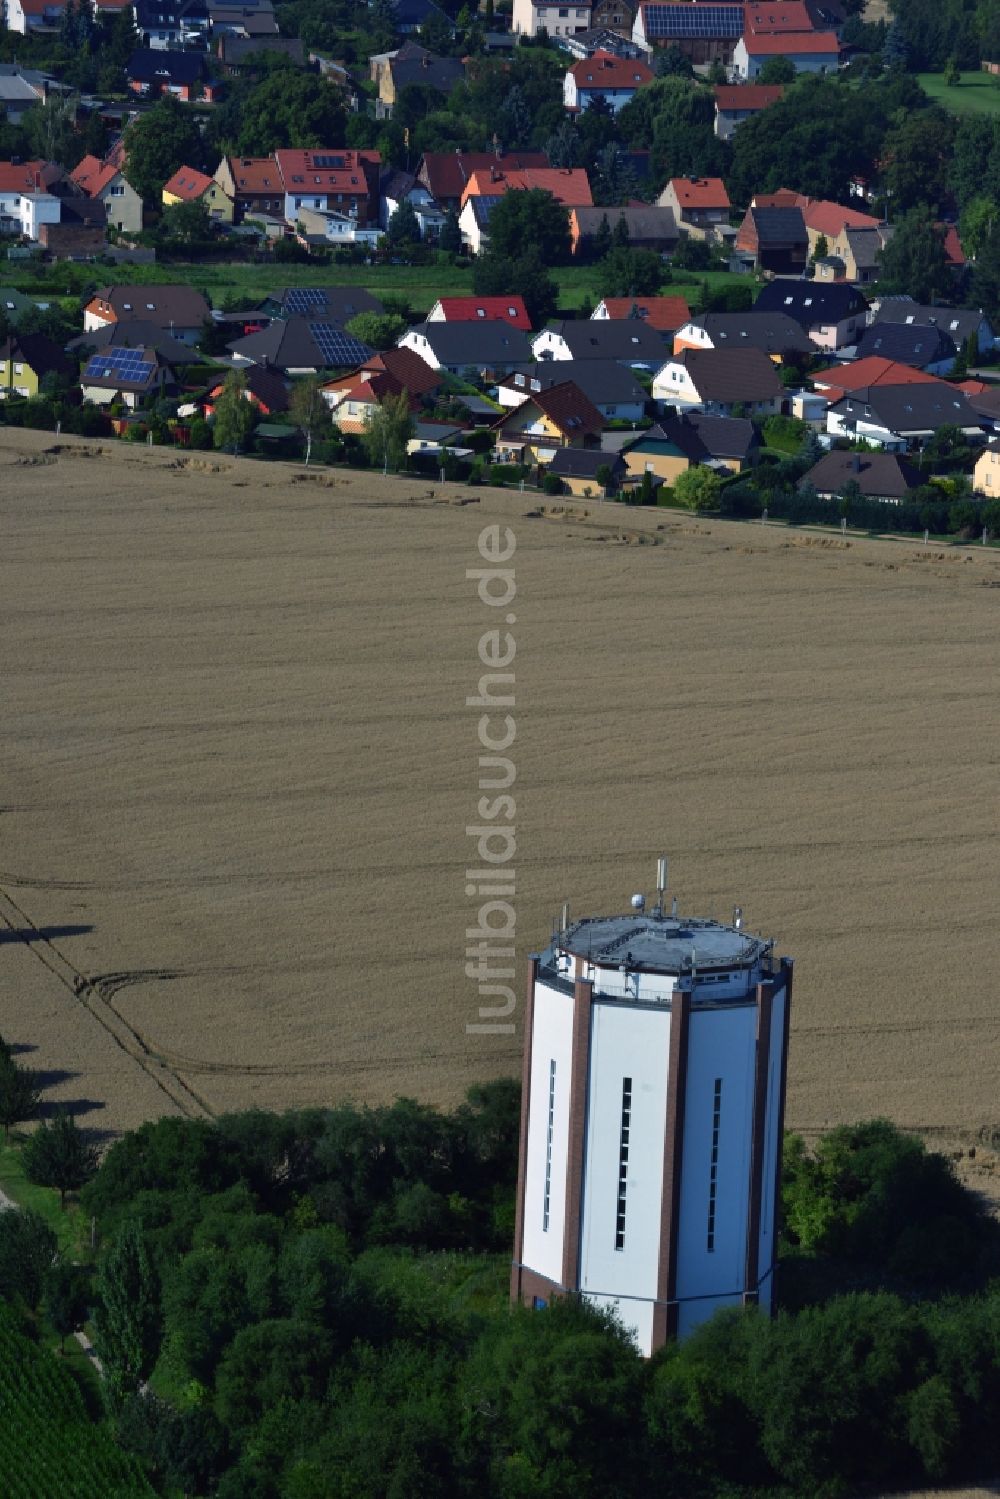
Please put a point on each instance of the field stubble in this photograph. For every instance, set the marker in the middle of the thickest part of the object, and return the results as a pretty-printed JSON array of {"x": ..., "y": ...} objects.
[{"x": 238, "y": 768}]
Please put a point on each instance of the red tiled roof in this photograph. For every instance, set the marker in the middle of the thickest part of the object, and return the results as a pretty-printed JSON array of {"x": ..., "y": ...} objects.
[
  {"x": 604, "y": 70},
  {"x": 310, "y": 169},
  {"x": 25, "y": 177},
  {"x": 188, "y": 184},
  {"x": 405, "y": 365},
  {"x": 565, "y": 405},
  {"x": 793, "y": 15},
  {"x": 791, "y": 44},
  {"x": 568, "y": 185},
  {"x": 747, "y": 96},
  {"x": 488, "y": 309},
  {"x": 666, "y": 314},
  {"x": 255, "y": 174},
  {"x": 447, "y": 172},
  {"x": 700, "y": 192},
  {"x": 820, "y": 214},
  {"x": 952, "y": 245},
  {"x": 92, "y": 175},
  {"x": 874, "y": 370}
]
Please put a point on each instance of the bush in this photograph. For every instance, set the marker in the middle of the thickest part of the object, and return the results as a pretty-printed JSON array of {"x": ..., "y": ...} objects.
[{"x": 552, "y": 484}]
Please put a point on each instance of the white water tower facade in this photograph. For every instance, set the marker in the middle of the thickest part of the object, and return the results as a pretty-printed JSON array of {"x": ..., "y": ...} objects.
[{"x": 651, "y": 1118}]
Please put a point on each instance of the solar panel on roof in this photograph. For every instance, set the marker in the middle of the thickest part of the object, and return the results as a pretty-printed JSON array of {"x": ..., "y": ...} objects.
[
  {"x": 709, "y": 21},
  {"x": 129, "y": 365},
  {"x": 328, "y": 161},
  {"x": 336, "y": 346},
  {"x": 301, "y": 298}
]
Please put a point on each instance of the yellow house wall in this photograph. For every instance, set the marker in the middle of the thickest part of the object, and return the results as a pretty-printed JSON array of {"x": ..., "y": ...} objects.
[
  {"x": 12, "y": 384},
  {"x": 986, "y": 474},
  {"x": 662, "y": 465}
]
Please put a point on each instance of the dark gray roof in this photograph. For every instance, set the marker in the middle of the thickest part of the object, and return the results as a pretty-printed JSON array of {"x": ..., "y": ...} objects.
[
  {"x": 629, "y": 340},
  {"x": 958, "y": 322},
  {"x": 302, "y": 343},
  {"x": 780, "y": 226},
  {"x": 774, "y": 332},
  {"x": 603, "y": 381},
  {"x": 493, "y": 343},
  {"x": 650, "y": 222},
  {"x": 918, "y": 345},
  {"x": 136, "y": 333},
  {"x": 909, "y": 408},
  {"x": 165, "y": 65},
  {"x": 732, "y": 375},
  {"x": 331, "y": 304},
  {"x": 415, "y": 65},
  {"x": 583, "y": 463},
  {"x": 236, "y": 49},
  {"x": 810, "y": 302},
  {"x": 701, "y": 436},
  {"x": 876, "y": 474},
  {"x": 168, "y": 304}
]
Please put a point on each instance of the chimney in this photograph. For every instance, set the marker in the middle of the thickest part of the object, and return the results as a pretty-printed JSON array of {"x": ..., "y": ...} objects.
[{"x": 856, "y": 462}]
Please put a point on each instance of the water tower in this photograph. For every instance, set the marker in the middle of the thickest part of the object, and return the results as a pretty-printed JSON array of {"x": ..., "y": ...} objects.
[{"x": 651, "y": 1117}]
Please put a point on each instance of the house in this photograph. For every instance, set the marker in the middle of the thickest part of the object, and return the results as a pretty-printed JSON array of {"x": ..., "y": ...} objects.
[
  {"x": 925, "y": 348},
  {"x": 32, "y": 211},
  {"x": 649, "y": 227},
  {"x": 734, "y": 104},
  {"x": 445, "y": 174},
  {"x": 547, "y": 420},
  {"x": 824, "y": 219},
  {"x": 831, "y": 315},
  {"x": 615, "y": 80},
  {"x": 79, "y": 231},
  {"x": 239, "y": 55},
  {"x": 135, "y": 334},
  {"x": 14, "y": 304},
  {"x": 474, "y": 349},
  {"x": 568, "y": 185},
  {"x": 354, "y": 396},
  {"x": 859, "y": 250},
  {"x": 153, "y": 71},
  {"x": 777, "y": 334},
  {"x": 396, "y": 188},
  {"x": 678, "y": 442},
  {"x": 808, "y": 52},
  {"x": 700, "y": 204},
  {"x": 628, "y": 340},
  {"x": 587, "y": 471},
  {"x": 171, "y": 23},
  {"x": 264, "y": 389},
  {"x": 176, "y": 307},
  {"x": 665, "y": 314},
  {"x": 131, "y": 376},
  {"x": 960, "y": 323},
  {"x": 775, "y": 238},
  {"x": 20, "y": 88},
  {"x": 327, "y": 226},
  {"x": 611, "y": 387},
  {"x": 532, "y": 16},
  {"x": 703, "y": 33},
  {"x": 863, "y": 374},
  {"x": 728, "y": 382},
  {"x": 879, "y": 476},
  {"x": 615, "y": 36},
  {"x": 190, "y": 186},
  {"x": 17, "y": 179},
  {"x": 250, "y": 20},
  {"x": 300, "y": 345},
  {"x": 328, "y": 304},
  {"x": 986, "y": 405},
  {"x": 474, "y": 222},
  {"x": 341, "y": 181},
  {"x": 28, "y": 16},
  {"x": 254, "y": 185},
  {"x": 986, "y": 474},
  {"x": 408, "y": 65},
  {"x": 105, "y": 181},
  {"x": 481, "y": 310},
  {"x": 25, "y": 360},
  {"x": 791, "y": 16},
  {"x": 902, "y": 417}
]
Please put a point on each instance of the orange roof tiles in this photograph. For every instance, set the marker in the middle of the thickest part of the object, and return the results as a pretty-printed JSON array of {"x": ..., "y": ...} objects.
[
  {"x": 568, "y": 185},
  {"x": 747, "y": 95},
  {"x": 666, "y": 314},
  {"x": 874, "y": 370},
  {"x": 793, "y": 15},
  {"x": 700, "y": 192},
  {"x": 604, "y": 70},
  {"x": 188, "y": 184},
  {"x": 791, "y": 44},
  {"x": 92, "y": 176}
]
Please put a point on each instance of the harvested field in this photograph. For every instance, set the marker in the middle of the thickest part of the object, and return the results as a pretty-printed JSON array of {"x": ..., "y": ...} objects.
[{"x": 238, "y": 767}]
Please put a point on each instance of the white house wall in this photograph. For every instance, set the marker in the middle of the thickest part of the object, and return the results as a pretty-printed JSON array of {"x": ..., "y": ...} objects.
[
  {"x": 551, "y": 1040},
  {"x": 766, "y": 1247}
]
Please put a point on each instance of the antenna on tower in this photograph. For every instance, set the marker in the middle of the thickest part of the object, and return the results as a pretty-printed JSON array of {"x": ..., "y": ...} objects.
[
  {"x": 737, "y": 917},
  {"x": 661, "y": 884},
  {"x": 565, "y": 915},
  {"x": 673, "y": 906}
]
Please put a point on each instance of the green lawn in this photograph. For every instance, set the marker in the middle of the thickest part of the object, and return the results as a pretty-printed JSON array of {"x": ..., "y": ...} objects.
[
  {"x": 70, "y": 1227},
  {"x": 421, "y": 285},
  {"x": 978, "y": 93}
]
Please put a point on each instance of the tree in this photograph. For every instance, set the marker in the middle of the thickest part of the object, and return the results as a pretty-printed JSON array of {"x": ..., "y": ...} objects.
[
  {"x": 289, "y": 109},
  {"x": 602, "y": 243},
  {"x": 630, "y": 273},
  {"x": 157, "y": 143},
  {"x": 916, "y": 154},
  {"x": 692, "y": 254},
  {"x": 914, "y": 260},
  {"x": 952, "y": 73},
  {"x": 58, "y": 1155},
  {"x": 19, "y": 1094},
  {"x": 66, "y": 1299},
  {"x": 534, "y": 219},
  {"x": 380, "y": 330},
  {"x": 234, "y": 413},
  {"x": 524, "y": 275},
  {"x": 451, "y": 234},
  {"x": 404, "y": 226},
  {"x": 188, "y": 223},
  {"x": 671, "y": 62},
  {"x": 27, "y": 1250},
  {"x": 979, "y": 217},
  {"x": 986, "y": 274},
  {"x": 777, "y": 70},
  {"x": 128, "y": 1312},
  {"x": 388, "y": 429},
  {"x": 698, "y": 488},
  {"x": 308, "y": 410}
]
